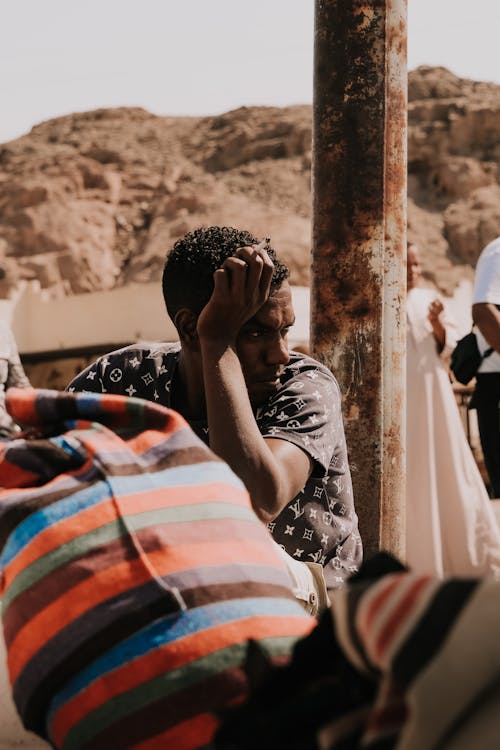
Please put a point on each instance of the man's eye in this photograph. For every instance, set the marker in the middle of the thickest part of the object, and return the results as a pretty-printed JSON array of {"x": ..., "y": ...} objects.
[{"x": 254, "y": 334}]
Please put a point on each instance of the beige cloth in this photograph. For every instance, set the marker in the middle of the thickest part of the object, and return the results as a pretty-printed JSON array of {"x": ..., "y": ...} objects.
[
  {"x": 307, "y": 582},
  {"x": 454, "y": 703},
  {"x": 451, "y": 527}
]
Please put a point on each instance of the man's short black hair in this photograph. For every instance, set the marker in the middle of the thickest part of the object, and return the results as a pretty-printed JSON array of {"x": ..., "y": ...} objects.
[{"x": 190, "y": 266}]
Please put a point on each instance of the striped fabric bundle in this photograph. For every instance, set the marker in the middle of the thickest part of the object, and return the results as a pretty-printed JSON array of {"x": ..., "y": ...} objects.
[
  {"x": 401, "y": 662},
  {"x": 391, "y": 631},
  {"x": 133, "y": 574}
]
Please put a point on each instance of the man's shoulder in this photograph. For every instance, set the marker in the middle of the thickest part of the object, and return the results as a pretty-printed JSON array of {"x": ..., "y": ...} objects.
[
  {"x": 112, "y": 371},
  {"x": 490, "y": 257},
  {"x": 487, "y": 279},
  {"x": 492, "y": 248},
  {"x": 142, "y": 350},
  {"x": 305, "y": 380},
  {"x": 303, "y": 366}
]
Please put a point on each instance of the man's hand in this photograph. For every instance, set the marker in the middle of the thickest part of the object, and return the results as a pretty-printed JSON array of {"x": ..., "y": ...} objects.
[
  {"x": 242, "y": 286},
  {"x": 274, "y": 471}
]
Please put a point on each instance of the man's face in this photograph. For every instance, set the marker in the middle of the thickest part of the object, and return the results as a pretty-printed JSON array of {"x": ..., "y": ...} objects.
[
  {"x": 262, "y": 345},
  {"x": 412, "y": 267}
]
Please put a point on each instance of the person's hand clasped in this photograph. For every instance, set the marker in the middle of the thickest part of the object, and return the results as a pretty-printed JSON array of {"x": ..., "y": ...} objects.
[
  {"x": 435, "y": 309},
  {"x": 241, "y": 286},
  {"x": 433, "y": 316}
]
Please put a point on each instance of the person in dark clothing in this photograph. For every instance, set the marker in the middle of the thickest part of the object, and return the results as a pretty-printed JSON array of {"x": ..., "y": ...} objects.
[{"x": 486, "y": 316}]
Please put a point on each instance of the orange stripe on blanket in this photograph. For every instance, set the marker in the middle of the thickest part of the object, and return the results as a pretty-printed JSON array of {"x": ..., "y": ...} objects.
[
  {"x": 98, "y": 515},
  {"x": 190, "y": 735},
  {"x": 20, "y": 402},
  {"x": 100, "y": 438},
  {"x": 13, "y": 477},
  {"x": 112, "y": 581},
  {"x": 138, "y": 444},
  {"x": 34, "y": 484},
  {"x": 377, "y": 602},
  {"x": 60, "y": 533},
  {"x": 104, "y": 439},
  {"x": 144, "y": 441},
  {"x": 169, "y": 657},
  {"x": 388, "y": 633}
]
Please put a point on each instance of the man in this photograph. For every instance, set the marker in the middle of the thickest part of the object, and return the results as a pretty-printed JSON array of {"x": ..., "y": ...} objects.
[
  {"x": 11, "y": 375},
  {"x": 486, "y": 316},
  {"x": 273, "y": 415}
]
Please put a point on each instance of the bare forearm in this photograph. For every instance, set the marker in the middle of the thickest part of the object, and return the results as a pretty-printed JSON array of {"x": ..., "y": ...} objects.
[
  {"x": 234, "y": 435},
  {"x": 439, "y": 333},
  {"x": 487, "y": 318}
]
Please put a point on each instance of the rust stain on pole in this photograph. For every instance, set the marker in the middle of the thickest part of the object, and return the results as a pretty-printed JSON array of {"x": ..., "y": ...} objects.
[{"x": 359, "y": 230}]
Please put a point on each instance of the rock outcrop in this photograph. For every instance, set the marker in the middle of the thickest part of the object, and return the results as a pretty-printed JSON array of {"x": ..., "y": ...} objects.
[
  {"x": 93, "y": 201},
  {"x": 453, "y": 171}
]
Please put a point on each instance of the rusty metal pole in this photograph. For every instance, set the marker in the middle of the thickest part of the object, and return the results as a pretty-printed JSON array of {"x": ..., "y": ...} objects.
[{"x": 359, "y": 245}]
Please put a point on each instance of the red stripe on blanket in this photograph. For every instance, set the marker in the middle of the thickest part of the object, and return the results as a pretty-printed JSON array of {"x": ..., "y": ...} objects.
[
  {"x": 111, "y": 582},
  {"x": 400, "y": 614},
  {"x": 166, "y": 658}
]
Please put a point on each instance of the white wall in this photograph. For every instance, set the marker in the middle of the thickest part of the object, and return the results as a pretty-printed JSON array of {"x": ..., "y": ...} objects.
[{"x": 128, "y": 314}]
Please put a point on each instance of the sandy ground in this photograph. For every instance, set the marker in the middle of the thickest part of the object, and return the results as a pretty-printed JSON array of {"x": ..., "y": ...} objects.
[{"x": 12, "y": 734}]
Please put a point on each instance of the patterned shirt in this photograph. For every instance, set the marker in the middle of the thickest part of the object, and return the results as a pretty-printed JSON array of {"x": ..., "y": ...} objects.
[{"x": 320, "y": 523}]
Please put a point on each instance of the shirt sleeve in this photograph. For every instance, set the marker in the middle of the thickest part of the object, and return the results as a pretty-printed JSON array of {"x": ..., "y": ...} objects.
[
  {"x": 90, "y": 379},
  {"x": 133, "y": 371},
  {"x": 487, "y": 281},
  {"x": 307, "y": 413},
  {"x": 320, "y": 524}
]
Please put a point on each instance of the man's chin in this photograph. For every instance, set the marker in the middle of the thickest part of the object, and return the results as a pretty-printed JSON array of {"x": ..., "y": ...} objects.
[{"x": 262, "y": 391}]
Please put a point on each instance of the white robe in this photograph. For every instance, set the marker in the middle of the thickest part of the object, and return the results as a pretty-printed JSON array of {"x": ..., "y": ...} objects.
[{"x": 451, "y": 526}]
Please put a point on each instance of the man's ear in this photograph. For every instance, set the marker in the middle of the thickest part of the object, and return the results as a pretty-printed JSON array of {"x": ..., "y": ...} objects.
[{"x": 185, "y": 321}]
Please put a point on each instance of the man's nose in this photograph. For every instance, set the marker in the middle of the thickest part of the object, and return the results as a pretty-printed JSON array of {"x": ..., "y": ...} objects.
[{"x": 278, "y": 352}]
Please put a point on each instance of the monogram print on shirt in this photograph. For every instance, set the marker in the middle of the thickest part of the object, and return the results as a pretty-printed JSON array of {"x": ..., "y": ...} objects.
[
  {"x": 296, "y": 509},
  {"x": 320, "y": 523}
]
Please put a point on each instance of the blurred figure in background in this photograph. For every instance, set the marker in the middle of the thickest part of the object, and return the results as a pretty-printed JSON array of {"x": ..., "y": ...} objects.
[
  {"x": 486, "y": 316},
  {"x": 11, "y": 374},
  {"x": 451, "y": 527}
]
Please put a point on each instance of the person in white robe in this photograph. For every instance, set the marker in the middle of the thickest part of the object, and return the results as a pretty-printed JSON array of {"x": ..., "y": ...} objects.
[{"x": 451, "y": 526}]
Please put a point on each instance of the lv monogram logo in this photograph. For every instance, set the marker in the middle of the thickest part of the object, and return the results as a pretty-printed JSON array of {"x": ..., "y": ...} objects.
[{"x": 296, "y": 509}]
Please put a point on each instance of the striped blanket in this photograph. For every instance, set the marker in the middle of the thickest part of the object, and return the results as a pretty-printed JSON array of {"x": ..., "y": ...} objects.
[
  {"x": 133, "y": 573},
  {"x": 402, "y": 662}
]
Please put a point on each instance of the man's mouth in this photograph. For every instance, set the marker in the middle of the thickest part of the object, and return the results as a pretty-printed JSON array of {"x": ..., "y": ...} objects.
[{"x": 271, "y": 379}]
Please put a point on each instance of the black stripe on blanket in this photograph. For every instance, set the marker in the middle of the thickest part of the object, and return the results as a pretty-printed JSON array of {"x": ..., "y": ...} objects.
[{"x": 432, "y": 629}]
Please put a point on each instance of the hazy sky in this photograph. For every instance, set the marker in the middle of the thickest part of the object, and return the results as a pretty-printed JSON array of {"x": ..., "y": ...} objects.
[{"x": 199, "y": 56}]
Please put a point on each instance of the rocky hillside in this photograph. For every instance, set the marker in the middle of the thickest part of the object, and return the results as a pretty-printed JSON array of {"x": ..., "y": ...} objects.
[
  {"x": 453, "y": 171},
  {"x": 92, "y": 201}
]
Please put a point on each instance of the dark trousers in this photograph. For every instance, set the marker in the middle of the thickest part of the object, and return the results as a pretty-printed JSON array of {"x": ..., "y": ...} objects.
[{"x": 487, "y": 402}]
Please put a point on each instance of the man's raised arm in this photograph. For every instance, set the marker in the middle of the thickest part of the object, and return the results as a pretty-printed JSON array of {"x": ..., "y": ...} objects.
[{"x": 274, "y": 471}]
